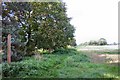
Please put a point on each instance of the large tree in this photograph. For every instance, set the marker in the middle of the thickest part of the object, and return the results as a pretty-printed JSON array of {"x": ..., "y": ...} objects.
[
  {"x": 11, "y": 24},
  {"x": 37, "y": 24},
  {"x": 55, "y": 30}
]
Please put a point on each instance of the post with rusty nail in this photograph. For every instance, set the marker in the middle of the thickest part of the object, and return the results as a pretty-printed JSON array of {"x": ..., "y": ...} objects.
[{"x": 9, "y": 48}]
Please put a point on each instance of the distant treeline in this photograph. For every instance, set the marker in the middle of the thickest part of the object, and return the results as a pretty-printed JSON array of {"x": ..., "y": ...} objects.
[{"x": 101, "y": 41}]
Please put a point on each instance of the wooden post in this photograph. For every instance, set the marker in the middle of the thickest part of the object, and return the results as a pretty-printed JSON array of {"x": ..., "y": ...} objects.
[{"x": 9, "y": 48}]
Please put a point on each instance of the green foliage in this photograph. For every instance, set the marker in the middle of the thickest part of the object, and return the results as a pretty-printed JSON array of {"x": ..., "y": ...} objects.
[
  {"x": 77, "y": 58},
  {"x": 70, "y": 65},
  {"x": 101, "y": 41},
  {"x": 65, "y": 51},
  {"x": 117, "y": 51},
  {"x": 11, "y": 24},
  {"x": 73, "y": 42},
  {"x": 41, "y": 25},
  {"x": 32, "y": 67},
  {"x": 88, "y": 70},
  {"x": 55, "y": 30},
  {"x": 93, "y": 42}
]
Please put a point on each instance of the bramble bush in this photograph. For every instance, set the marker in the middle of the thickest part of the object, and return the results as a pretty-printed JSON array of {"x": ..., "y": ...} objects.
[{"x": 47, "y": 66}]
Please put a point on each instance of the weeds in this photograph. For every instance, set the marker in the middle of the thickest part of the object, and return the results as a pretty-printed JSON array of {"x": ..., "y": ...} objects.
[{"x": 63, "y": 63}]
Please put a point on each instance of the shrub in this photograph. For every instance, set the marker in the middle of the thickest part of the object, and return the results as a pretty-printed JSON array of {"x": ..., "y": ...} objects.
[
  {"x": 14, "y": 57},
  {"x": 65, "y": 51},
  {"x": 80, "y": 58}
]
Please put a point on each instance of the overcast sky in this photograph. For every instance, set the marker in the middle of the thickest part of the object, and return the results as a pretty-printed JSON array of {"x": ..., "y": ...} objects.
[{"x": 94, "y": 19}]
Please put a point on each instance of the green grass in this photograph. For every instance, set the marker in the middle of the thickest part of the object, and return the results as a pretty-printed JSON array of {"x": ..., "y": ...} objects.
[
  {"x": 65, "y": 63},
  {"x": 116, "y": 51}
]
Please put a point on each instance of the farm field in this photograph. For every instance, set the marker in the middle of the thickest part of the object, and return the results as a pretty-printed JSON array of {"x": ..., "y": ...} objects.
[
  {"x": 65, "y": 63},
  {"x": 109, "y": 54},
  {"x": 98, "y": 48}
]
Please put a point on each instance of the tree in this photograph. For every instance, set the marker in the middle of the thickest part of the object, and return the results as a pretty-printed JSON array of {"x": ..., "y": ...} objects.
[
  {"x": 93, "y": 42},
  {"x": 24, "y": 25},
  {"x": 11, "y": 25},
  {"x": 73, "y": 42},
  {"x": 102, "y": 41},
  {"x": 55, "y": 30},
  {"x": 41, "y": 25}
]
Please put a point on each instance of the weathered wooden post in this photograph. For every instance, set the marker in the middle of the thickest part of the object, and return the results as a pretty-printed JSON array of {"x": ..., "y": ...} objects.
[{"x": 9, "y": 48}]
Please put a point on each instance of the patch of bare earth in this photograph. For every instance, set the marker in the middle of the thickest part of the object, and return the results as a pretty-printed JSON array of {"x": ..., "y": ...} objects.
[{"x": 95, "y": 57}]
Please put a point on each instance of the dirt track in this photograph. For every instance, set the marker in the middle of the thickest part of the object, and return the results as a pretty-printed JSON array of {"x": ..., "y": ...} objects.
[{"x": 96, "y": 57}]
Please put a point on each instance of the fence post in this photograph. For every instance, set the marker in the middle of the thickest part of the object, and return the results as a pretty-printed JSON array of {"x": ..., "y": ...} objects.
[{"x": 9, "y": 48}]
